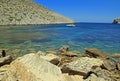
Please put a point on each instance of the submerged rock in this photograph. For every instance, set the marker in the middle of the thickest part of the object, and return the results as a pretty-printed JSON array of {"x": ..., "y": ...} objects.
[
  {"x": 93, "y": 52},
  {"x": 31, "y": 67},
  {"x": 82, "y": 66}
]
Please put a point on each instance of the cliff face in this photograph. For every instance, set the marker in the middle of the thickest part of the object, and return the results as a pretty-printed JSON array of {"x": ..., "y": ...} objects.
[
  {"x": 20, "y": 12},
  {"x": 116, "y": 21}
]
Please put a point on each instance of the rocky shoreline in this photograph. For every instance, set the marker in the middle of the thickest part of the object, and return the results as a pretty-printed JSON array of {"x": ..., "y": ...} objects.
[
  {"x": 61, "y": 65},
  {"x": 116, "y": 21}
]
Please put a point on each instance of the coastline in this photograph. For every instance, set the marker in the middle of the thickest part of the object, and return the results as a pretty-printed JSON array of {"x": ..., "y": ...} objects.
[{"x": 93, "y": 65}]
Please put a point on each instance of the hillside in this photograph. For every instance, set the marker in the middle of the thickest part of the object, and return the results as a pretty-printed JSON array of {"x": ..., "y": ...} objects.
[
  {"x": 20, "y": 12},
  {"x": 116, "y": 21}
]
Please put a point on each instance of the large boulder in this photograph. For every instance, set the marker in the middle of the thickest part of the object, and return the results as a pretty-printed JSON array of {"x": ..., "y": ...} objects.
[
  {"x": 31, "y": 67},
  {"x": 93, "y": 52},
  {"x": 5, "y": 60},
  {"x": 82, "y": 66}
]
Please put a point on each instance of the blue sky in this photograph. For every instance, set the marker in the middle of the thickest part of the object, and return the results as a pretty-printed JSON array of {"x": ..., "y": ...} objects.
[{"x": 85, "y": 10}]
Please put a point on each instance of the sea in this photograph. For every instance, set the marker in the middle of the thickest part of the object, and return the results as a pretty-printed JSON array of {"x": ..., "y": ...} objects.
[{"x": 22, "y": 40}]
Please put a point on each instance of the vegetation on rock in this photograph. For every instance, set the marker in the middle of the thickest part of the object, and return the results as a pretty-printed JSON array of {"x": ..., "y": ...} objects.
[{"x": 20, "y": 12}]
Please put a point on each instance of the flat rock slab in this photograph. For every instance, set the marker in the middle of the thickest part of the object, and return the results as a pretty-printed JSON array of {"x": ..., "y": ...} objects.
[
  {"x": 82, "y": 66},
  {"x": 31, "y": 67},
  {"x": 93, "y": 52}
]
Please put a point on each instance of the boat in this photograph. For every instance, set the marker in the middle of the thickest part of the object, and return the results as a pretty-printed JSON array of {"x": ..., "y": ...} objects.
[{"x": 70, "y": 25}]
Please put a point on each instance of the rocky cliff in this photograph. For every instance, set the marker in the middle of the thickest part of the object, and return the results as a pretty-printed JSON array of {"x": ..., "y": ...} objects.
[
  {"x": 20, "y": 12},
  {"x": 116, "y": 21}
]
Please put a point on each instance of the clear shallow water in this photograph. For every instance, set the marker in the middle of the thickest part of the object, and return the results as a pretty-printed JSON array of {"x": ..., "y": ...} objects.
[{"x": 26, "y": 39}]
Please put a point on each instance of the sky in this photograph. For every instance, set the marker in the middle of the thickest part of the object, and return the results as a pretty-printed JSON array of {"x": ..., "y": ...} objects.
[{"x": 85, "y": 10}]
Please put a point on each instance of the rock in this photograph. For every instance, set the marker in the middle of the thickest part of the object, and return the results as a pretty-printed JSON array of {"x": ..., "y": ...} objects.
[
  {"x": 54, "y": 59},
  {"x": 93, "y": 52},
  {"x": 70, "y": 54},
  {"x": 64, "y": 49},
  {"x": 73, "y": 77},
  {"x": 5, "y": 60},
  {"x": 116, "y": 21},
  {"x": 31, "y": 67},
  {"x": 93, "y": 77},
  {"x": 3, "y": 69},
  {"x": 40, "y": 53},
  {"x": 115, "y": 55},
  {"x": 65, "y": 60},
  {"x": 108, "y": 64},
  {"x": 118, "y": 65},
  {"x": 82, "y": 66},
  {"x": 49, "y": 57},
  {"x": 107, "y": 75}
]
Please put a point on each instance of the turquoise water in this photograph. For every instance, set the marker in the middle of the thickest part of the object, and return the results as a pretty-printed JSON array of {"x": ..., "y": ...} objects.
[{"x": 26, "y": 39}]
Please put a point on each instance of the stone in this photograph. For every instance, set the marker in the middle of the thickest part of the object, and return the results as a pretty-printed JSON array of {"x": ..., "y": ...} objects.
[
  {"x": 107, "y": 75},
  {"x": 82, "y": 66},
  {"x": 108, "y": 64},
  {"x": 40, "y": 53},
  {"x": 115, "y": 55},
  {"x": 64, "y": 49},
  {"x": 5, "y": 60},
  {"x": 73, "y": 77},
  {"x": 49, "y": 57},
  {"x": 93, "y": 52},
  {"x": 31, "y": 67},
  {"x": 54, "y": 59},
  {"x": 118, "y": 65},
  {"x": 93, "y": 77},
  {"x": 70, "y": 54}
]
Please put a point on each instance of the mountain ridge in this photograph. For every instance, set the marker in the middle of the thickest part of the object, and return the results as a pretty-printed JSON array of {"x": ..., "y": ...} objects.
[{"x": 21, "y": 12}]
